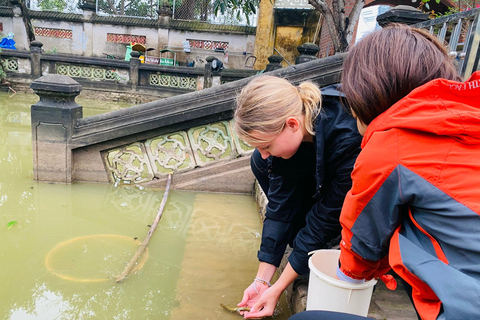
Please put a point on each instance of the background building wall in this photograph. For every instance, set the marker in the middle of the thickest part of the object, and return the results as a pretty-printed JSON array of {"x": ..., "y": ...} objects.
[{"x": 85, "y": 35}]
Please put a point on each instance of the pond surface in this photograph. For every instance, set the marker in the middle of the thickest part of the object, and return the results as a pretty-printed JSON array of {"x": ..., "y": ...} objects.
[{"x": 62, "y": 246}]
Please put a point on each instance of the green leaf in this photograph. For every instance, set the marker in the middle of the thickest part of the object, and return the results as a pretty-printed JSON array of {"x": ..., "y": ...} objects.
[
  {"x": 252, "y": 7},
  {"x": 11, "y": 224}
]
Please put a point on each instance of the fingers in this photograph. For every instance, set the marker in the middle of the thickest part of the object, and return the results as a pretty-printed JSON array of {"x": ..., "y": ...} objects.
[
  {"x": 257, "y": 315},
  {"x": 245, "y": 299},
  {"x": 258, "y": 311}
]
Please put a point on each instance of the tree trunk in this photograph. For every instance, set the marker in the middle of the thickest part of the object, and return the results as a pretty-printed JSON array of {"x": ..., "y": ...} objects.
[
  {"x": 340, "y": 28},
  {"x": 26, "y": 19}
]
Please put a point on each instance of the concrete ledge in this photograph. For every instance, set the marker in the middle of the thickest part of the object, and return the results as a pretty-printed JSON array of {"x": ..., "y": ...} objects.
[{"x": 233, "y": 176}]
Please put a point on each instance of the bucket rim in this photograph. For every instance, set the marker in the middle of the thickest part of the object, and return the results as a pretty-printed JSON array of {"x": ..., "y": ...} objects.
[{"x": 338, "y": 282}]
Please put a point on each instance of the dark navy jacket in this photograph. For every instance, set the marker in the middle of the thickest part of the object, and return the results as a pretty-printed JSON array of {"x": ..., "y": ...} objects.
[{"x": 336, "y": 146}]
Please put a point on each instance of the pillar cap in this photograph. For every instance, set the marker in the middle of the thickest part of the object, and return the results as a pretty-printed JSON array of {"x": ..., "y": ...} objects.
[
  {"x": 135, "y": 54},
  {"x": 275, "y": 58},
  {"x": 308, "y": 48},
  {"x": 56, "y": 83},
  {"x": 402, "y": 14}
]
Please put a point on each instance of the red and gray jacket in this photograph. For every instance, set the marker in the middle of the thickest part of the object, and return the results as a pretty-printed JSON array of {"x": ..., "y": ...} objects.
[{"x": 414, "y": 205}]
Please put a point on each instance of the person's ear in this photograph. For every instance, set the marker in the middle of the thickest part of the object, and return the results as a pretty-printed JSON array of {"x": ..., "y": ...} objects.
[{"x": 293, "y": 124}]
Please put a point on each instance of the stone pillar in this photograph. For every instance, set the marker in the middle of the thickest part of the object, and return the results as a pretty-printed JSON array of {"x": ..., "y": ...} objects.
[
  {"x": 213, "y": 72},
  {"x": 165, "y": 14},
  {"x": 274, "y": 64},
  {"x": 208, "y": 74},
  {"x": 36, "y": 54},
  {"x": 53, "y": 122},
  {"x": 89, "y": 5},
  {"x": 402, "y": 14},
  {"x": 307, "y": 52},
  {"x": 265, "y": 36},
  {"x": 89, "y": 8},
  {"x": 134, "y": 64}
]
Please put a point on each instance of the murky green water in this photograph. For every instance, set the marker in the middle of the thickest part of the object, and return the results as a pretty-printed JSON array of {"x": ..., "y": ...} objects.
[{"x": 69, "y": 243}]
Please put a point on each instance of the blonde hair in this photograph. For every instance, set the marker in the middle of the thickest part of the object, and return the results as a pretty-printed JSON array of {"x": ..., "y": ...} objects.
[{"x": 266, "y": 102}]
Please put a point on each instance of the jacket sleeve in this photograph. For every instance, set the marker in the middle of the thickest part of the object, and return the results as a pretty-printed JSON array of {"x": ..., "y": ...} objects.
[
  {"x": 322, "y": 221},
  {"x": 337, "y": 147},
  {"x": 371, "y": 212},
  {"x": 289, "y": 185},
  {"x": 284, "y": 199}
]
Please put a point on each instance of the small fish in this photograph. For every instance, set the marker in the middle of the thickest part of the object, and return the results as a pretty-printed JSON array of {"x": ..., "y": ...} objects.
[{"x": 236, "y": 309}]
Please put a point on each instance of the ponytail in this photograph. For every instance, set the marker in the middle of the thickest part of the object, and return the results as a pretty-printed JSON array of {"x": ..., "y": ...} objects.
[{"x": 312, "y": 101}]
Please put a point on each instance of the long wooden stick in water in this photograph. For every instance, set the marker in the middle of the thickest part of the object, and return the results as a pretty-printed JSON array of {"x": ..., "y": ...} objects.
[{"x": 144, "y": 244}]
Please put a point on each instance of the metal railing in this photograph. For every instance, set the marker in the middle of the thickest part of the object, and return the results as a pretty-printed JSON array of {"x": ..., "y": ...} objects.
[
  {"x": 203, "y": 10},
  {"x": 461, "y": 31},
  {"x": 190, "y": 10}
]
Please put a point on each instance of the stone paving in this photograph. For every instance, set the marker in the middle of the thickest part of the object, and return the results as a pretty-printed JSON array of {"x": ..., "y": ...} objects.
[{"x": 391, "y": 305}]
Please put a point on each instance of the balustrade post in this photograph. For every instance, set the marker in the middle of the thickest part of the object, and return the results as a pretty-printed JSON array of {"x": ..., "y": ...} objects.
[
  {"x": 35, "y": 58},
  {"x": 134, "y": 69},
  {"x": 274, "y": 64},
  {"x": 165, "y": 13},
  {"x": 307, "y": 52},
  {"x": 208, "y": 74},
  {"x": 53, "y": 121}
]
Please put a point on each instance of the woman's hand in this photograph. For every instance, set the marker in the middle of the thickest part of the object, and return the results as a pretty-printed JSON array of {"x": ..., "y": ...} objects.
[
  {"x": 265, "y": 306},
  {"x": 252, "y": 294}
]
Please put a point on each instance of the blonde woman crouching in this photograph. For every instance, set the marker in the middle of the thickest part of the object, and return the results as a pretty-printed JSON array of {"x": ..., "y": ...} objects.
[{"x": 306, "y": 144}]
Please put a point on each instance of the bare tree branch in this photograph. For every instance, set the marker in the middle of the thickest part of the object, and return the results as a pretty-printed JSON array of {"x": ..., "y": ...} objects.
[
  {"x": 341, "y": 14},
  {"x": 122, "y": 7},
  {"x": 336, "y": 13},
  {"x": 339, "y": 27},
  {"x": 353, "y": 19},
  {"x": 332, "y": 26},
  {"x": 26, "y": 19}
]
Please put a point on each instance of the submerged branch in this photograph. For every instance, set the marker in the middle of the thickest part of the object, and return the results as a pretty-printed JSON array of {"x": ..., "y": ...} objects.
[{"x": 144, "y": 244}]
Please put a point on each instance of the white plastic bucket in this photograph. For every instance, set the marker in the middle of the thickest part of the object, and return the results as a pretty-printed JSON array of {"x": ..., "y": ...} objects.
[{"x": 326, "y": 292}]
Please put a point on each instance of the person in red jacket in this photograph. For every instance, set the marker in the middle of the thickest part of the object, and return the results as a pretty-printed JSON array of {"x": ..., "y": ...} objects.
[{"x": 414, "y": 205}]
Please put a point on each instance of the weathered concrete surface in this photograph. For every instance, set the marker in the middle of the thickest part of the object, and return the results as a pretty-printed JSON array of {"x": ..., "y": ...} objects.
[
  {"x": 84, "y": 141},
  {"x": 53, "y": 118},
  {"x": 234, "y": 176}
]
